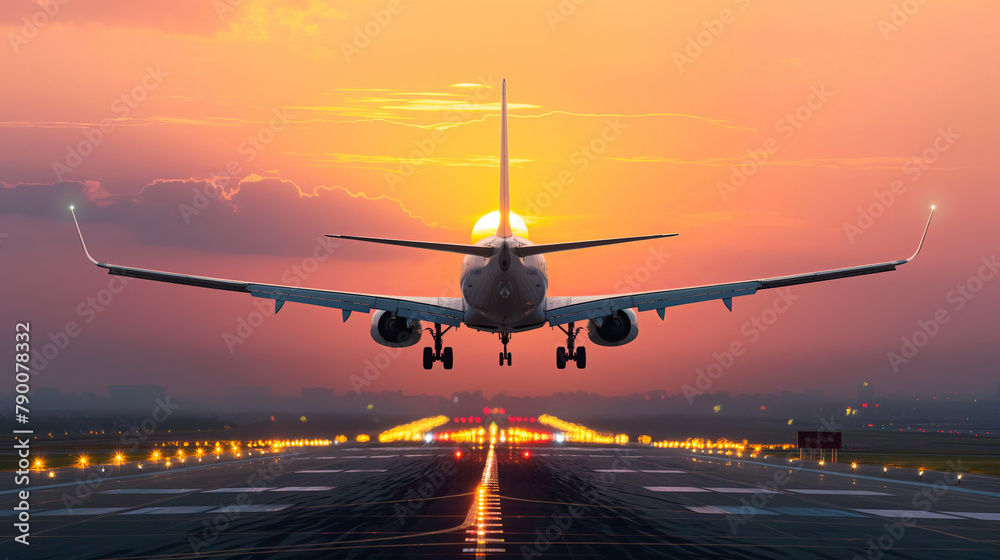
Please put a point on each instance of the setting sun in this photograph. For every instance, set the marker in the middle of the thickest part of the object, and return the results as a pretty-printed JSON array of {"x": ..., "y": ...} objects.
[{"x": 487, "y": 226}]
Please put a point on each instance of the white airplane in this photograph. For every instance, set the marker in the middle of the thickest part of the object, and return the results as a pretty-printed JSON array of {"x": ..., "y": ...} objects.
[{"x": 504, "y": 283}]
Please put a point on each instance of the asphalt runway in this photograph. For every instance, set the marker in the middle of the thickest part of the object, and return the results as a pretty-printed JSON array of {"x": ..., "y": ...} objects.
[{"x": 556, "y": 502}]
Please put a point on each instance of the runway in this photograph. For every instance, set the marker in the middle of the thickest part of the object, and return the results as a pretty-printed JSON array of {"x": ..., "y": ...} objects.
[{"x": 559, "y": 501}]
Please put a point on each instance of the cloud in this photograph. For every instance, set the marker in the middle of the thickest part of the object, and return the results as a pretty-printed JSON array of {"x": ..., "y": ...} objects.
[{"x": 255, "y": 215}]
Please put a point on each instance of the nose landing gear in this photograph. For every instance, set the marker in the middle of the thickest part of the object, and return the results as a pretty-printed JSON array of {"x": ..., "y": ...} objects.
[
  {"x": 438, "y": 354},
  {"x": 570, "y": 352},
  {"x": 505, "y": 355}
]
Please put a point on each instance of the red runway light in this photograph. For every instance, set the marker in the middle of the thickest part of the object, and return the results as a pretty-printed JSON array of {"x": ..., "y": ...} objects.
[
  {"x": 527, "y": 454},
  {"x": 458, "y": 454}
]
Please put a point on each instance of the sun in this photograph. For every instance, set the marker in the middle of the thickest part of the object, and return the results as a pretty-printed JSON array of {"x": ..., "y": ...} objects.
[{"x": 487, "y": 226}]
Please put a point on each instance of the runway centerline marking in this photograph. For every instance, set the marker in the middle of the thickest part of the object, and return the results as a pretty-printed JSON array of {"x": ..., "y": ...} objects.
[
  {"x": 234, "y": 490},
  {"x": 486, "y": 511},
  {"x": 303, "y": 489}
]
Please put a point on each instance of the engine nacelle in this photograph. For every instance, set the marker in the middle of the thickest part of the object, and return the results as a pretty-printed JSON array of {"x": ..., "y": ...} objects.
[
  {"x": 389, "y": 329},
  {"x": 621, "y": 327}
]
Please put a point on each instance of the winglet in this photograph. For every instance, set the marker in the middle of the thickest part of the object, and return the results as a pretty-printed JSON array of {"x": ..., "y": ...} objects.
[
  {"x": 85, "y": 252},
  {"x": 922, "y": 237},
  {"x": 503, "y": 230}
]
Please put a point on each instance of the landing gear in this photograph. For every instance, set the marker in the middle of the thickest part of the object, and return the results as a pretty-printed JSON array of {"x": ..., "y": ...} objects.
[
  {"x": 570, "y": 352},
  {"x": 505, "y": 355},
  {"x": 438, "y": 354}
]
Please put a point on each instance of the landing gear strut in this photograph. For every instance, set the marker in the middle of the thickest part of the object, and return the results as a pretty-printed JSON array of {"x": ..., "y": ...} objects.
[
  {"x": 505, "y": 355},
  {"x": 437, "y": 354},
  {"x": 570, "y": 352}
]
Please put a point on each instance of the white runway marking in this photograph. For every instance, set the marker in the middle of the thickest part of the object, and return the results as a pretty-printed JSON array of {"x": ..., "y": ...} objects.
[
  {"x": 914, "y": 513},
  {"x": 613, "y": 470},
  {"x": 81, "y": 511},
  {"x": 150, "y": 491},
  {"x": 332, "y": 457},
  {"x": 235, "y": 490},
  {"x": 838, "y": 492},
  {"x": 169, "y": 510},
  {"x": 352, "y": 457},
  {"x": 366, "y": 470},
  {"x": 303, "y": 489},
  {"x": 744, "y": 490},
  {"x": 814, "y": 512},
  {"x": 664, "y": 471},
  {"x": 382, "y": 456},
  {"x": 320, "y": 471},
  {"x": 984, "y": 515},
  {"x": 674, "y": 489},
  {"x": 250, "y": 508},
  {"x": 418, "y": 455},
  {"x": 741, "y": 510}
]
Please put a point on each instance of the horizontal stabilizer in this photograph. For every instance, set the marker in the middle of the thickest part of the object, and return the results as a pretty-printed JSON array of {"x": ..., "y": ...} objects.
[
  {"x": 477, "y": 250},
  {"x": 553, "y": 247}
]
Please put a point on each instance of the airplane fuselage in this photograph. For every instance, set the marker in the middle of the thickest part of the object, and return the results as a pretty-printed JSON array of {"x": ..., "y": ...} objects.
[{"x": 503, "y": 292}]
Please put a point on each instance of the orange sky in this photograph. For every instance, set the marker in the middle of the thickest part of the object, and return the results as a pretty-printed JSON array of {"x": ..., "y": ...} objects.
[{"x": 380, "y": 118}]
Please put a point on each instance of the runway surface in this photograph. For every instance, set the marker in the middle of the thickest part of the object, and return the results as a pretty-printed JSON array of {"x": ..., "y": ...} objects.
[{"x": 557, "y": 502}]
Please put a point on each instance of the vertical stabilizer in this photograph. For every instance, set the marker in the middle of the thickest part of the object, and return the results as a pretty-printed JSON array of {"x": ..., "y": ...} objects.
[{"x": 503, "y": 230}]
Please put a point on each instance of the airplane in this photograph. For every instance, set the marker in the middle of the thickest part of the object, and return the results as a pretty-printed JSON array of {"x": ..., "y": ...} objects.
[{"x": 504, "y": 281}]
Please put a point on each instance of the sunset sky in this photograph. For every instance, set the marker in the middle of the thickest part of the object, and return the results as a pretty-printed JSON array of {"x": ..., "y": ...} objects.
[{"x": 382, "y": 118}]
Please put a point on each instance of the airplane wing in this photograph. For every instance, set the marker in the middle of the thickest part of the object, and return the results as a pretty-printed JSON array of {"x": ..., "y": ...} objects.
[
  {"x": 447, "y": 311},
  {"x": 562, "y": 310}
]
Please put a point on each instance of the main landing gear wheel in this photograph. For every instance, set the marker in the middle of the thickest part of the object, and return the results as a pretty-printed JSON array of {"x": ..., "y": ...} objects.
[
  {"x": 505, "y": 356},
  {"x": 571, "y": 352},
  {"x": 438, "y": 353}
]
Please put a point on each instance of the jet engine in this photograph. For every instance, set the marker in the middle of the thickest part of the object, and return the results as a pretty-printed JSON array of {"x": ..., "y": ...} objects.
[
  {"x": 389, "y": 329},
  {"x": 621, "y": 327}
]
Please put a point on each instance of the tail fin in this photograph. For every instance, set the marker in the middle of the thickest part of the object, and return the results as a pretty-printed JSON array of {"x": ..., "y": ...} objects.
[{"x": 503, "y": 230}]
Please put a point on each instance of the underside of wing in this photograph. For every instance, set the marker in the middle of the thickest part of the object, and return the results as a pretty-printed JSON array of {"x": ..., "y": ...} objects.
[
  {"x": 448, "y": 311},
  {"x": 562, "y": 310}
]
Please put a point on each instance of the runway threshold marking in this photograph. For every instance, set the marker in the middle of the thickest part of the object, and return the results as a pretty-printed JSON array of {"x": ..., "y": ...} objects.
[{"x": 486, "y": 511}]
